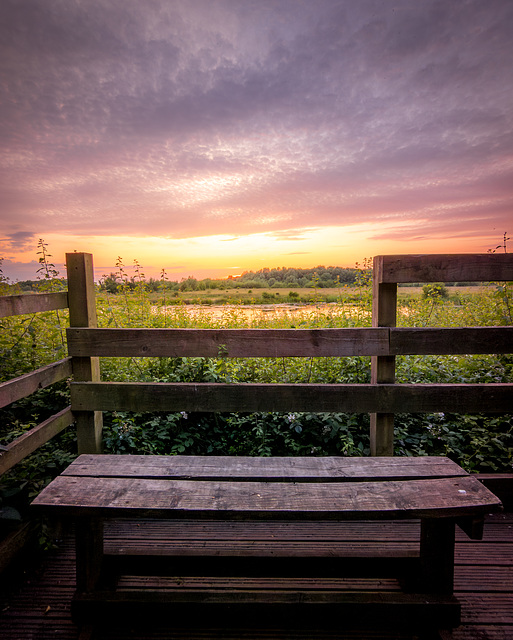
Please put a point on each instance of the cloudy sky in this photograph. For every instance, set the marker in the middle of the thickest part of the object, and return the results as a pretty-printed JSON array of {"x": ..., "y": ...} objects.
[{"x": 213, "y": 136}]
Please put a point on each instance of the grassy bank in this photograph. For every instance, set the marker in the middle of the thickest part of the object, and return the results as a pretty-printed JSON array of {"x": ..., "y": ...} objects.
[{"x": 299, "y": 295}]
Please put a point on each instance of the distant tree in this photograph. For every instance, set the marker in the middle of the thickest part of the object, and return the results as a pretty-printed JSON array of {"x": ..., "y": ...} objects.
[
  {"x": 4, "y": 280},
  {"x": 189, "y": 284},
  {"x": 109, "y": 283},
  {"x": 434, "y": 291}
]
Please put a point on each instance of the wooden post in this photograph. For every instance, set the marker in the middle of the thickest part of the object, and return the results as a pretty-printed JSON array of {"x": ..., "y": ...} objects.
[
  {"x": 89, "y": 552},
  {"x": 437, "y": 555},
  {"x": 82, "y": 313},
  {"x": 384, "y": 314}
]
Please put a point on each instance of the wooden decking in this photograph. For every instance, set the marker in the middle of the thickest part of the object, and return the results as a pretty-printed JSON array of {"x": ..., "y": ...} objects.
[{"x": 39, "y": 607}]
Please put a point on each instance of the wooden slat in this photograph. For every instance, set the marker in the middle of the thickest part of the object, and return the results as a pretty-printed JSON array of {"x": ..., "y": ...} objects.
[
  {"x": 493, "y": 608},
  {"x": 476, "y": 632},
  {"x": 31, "y": 440},
  {"x": 350, "y": 398},
  {"x": 251, "y": 549},
  {"x": 32, "y": 303},
  {"x": 227, "y": 342},
  {"x": 494, "y": 579},
  {"x": 23, "y": 386},
  {"x": 390, "y": 560},
  {"x": 464, "y": 340},
  {"x": 269, "y": 597},
  {"x": 128, "y": 582},
  {"x": 289, "y": 608},
  {"x": 447, "y": 497},
  {"x": 271, "y": 608},
  {"x": 40, "y": 606},
  {"x": 304, "y": 469},
  {"x": 498, "y": 554},
  {"x": 147, "y": 533},
  {"x": 480, "y": 267},
  {"x": 143, "y": 530},
  {"x": 288, "y": 342}
]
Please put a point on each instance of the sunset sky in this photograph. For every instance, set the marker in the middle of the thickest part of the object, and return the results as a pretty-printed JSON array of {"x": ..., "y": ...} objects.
[{"x": 209, "y": 137}]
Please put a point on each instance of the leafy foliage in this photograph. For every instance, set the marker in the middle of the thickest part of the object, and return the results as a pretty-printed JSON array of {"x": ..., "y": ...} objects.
[
  {"x": 477, "y": 442},
  {"x": 280, "y": 277}
]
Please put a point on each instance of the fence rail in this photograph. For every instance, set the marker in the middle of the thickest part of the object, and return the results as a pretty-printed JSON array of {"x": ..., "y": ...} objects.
[
  {"x": 477, "y": 267},
  {"x": 25, "y": 385},
  {"x": 383, "y": 342},
  {"x": 31, "y": 440},
  {"x": 277, "y": 343},
  {"x": 388, "y": 272},
  {"x": 32, "y": 303},
  {"x": 311, "y": 398}
]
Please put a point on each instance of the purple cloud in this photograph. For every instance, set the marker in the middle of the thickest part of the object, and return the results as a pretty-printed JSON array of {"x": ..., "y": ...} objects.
[{"x": 183, "y": 119}]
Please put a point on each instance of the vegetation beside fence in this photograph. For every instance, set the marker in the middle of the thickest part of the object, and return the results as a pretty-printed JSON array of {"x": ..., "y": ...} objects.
[{"x": 477, "y": 442}]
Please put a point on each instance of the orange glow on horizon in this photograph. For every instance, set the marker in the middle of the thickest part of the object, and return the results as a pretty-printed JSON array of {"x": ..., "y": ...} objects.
[{"x": 221, "y": 256}]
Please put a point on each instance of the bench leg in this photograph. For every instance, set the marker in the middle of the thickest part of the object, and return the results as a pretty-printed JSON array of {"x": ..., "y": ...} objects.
[
  {"x": 89, "y": 552},
  {"x": 437, "y": 556}
]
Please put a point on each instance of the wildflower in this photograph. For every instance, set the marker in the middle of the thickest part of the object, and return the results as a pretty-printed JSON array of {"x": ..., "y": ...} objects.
[{"x": 184, "y": 415}]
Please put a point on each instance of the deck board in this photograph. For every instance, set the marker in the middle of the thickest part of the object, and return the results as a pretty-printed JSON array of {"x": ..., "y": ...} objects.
[{"x": 40, "y": 607}]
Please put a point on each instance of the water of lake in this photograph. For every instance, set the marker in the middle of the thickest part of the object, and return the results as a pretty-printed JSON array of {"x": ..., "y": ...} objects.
[{"x": 260, "y": 312}]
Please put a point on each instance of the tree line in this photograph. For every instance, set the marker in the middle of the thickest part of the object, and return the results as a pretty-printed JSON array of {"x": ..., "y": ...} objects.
[{"x": 280, "y": 277}]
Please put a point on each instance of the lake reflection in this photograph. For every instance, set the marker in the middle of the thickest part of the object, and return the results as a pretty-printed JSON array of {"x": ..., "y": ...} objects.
[{"x": 255, "y": 313}]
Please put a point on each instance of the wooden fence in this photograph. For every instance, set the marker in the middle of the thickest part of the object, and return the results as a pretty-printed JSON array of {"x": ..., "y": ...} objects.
[
  {"x": 384, "y": 341},
  {"x": 388, "y": 272},
  {"x": 382, "y": 398},
  {"x": 80, "y": 301}
]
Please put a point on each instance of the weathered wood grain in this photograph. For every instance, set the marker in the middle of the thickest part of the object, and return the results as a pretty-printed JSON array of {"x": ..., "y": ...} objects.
[
  {"x": 82, "y": 307},
  {"x": 23, "y": 386},
  {"x": 384, "y": 314},
  {"x": 232, "y": 548},
  {"x": 483, "y": 585},
  {"x": 32, "y": 303},
  {"x": 33, "y": 439},
  {"x": 146, "y": 532},
  {"x": 111, "y": 497},
  {"x": 224, "y": 490},
  {"x": 82, "y": 313},
  {"x": 350, "y": 398},
  {"x": 479, "y": 267},
  {"x": 131, "y": 582},
  {"x": 380, "y": 341},
  {"x": 304, "y": 469},
  {"x": 267, "y": 343},
  {"x": 459, "y": 340}
]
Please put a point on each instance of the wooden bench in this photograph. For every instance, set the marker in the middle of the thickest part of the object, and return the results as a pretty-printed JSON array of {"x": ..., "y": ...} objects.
[
  {"x": 242, "y": 495},
  {"x": 287, "y": 501}
]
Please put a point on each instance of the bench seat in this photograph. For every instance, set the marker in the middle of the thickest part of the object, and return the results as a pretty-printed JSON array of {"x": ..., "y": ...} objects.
[{"x": 270, "y": 519}]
